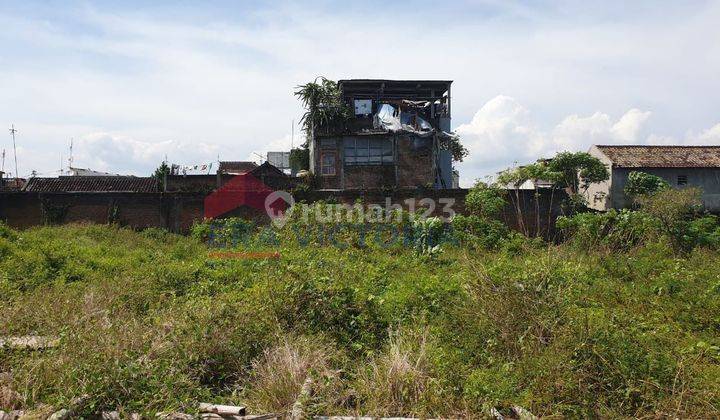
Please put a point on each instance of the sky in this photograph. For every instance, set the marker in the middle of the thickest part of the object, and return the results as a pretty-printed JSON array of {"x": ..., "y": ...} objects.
[{"x": 133, "y": 83}]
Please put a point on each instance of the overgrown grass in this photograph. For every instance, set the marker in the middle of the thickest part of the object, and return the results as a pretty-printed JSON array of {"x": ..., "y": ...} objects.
[{"x": 150, "y": 322}]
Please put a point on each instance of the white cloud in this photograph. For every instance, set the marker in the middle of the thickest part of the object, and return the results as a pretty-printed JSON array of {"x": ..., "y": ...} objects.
[
  {"x": 132, "y": 85},
  {"x": 503, "y": 133},
  {"x": 115, "y": 153}
]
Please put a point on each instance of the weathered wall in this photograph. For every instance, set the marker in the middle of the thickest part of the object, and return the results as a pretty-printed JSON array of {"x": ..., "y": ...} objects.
[
  {"x": 526, "y": 212},
  {"x": 413, "y": 166},
  {"x": 708, "y": 179},
  {"x": 177, "y": 211},
  {"x": 414, "y": 161},
  {"x": 369, "y": 177}
]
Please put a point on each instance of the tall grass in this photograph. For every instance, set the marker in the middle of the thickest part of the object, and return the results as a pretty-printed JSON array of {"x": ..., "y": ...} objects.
[{"x": 150, "y": 321}]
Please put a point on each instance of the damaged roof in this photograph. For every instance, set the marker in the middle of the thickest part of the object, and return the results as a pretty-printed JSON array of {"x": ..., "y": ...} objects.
[
  {"x": 426, "y": 90},
  {"x": 92, "y": 184},
  {"x": 635, "y": 156}
]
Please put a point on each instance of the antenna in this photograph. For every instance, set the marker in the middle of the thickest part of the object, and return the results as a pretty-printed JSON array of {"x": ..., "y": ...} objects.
[
  {"x": 12, "y": 133},
  {"x": 70, "y": 159}
]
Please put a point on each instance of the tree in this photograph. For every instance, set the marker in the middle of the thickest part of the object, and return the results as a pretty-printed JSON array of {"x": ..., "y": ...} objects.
[
  {"x": 535, "y": 172},
  {"x": 457, "y": 150},
  {"x": 575, "y": 172},
  {"x": 642, "y": 184},
  {"x": 323, "y": 105},
  {"x": 300, "y": 158},
  {"x": 160, "y": 174}
]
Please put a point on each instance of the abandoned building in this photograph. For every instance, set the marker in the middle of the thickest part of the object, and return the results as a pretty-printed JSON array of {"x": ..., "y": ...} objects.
[
  {"x": 395, "y": 138},
  {"x": 680, "y": 166}
]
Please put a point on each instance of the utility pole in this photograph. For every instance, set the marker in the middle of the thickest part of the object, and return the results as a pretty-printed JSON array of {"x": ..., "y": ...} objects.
[
  {"x": 292, "y": 135},
  {"x": 12, "y": 133},
  {"x": 70, "y": 158},
  {"x": 2, "y": 168}
]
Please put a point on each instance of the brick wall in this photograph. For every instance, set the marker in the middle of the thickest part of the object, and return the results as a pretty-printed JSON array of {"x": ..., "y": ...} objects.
[
  {"x": 414, "y": 161},
  {"x": 173, "y": 211},
  {"x": 178, "y": 211}
]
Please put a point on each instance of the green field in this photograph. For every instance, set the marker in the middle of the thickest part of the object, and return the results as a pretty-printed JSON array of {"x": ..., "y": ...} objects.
[{"x": 148, "y": 322}]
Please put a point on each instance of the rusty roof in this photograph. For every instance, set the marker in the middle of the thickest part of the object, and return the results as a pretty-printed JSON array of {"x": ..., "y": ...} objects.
[
  {"x": 636, "y": 156},
  {"x": 237, "y": 167},
  {"x": 92, "y": 184}
]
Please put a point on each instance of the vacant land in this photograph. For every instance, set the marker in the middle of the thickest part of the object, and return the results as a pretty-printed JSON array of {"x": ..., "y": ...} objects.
[{"x": 149, "y": 322}]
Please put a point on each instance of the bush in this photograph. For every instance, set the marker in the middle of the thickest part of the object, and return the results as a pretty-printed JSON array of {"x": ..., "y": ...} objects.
[
  {"x": 641, "y": 184},
  {"x": 615, "y": 230},
  {"x": 227, "y": 233},
  {"x": 484, "y": 201},
  {"x": 477, "y": 231}
]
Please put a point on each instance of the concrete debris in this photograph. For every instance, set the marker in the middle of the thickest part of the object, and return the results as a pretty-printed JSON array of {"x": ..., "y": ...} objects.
[
  {"x": 523, "y": 414},
  {"x": 268, "y": 416},
  {"x": 223, "y": 410},
  {"x": 29, "y": 342},
  {"x": 174, "y": 416},
  {"x": 75, "y": 405},
  {"x": 60, "y": 415},
  {"x": 298, "y": 411},
  {"x": 494, "y": 413},
  {"x": 12, "y": 415}
]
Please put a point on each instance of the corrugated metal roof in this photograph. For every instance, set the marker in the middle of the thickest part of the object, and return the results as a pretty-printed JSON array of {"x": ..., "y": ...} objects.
[
  {"x": 663, "y": 156},
  {"x": 92, "y": 184}
]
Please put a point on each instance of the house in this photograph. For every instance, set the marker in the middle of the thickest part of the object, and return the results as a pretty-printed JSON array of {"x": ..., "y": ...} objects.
[
  {"x": 236, "y": 167},
  {"x": 680, "y": 166},
  {"x": 396, "y": 137},
  {"x": 87, "y": 172},
  {"x": 10, "y": 184}
]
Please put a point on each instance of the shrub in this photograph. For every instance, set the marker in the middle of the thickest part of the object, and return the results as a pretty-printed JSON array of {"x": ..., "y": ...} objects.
[
  {"x": 641, "y": 183},
  {"x": 400, "y": 381},
  {"x": 674, "y": 208},
  {"x": 428, "y": 235},
  {"x": 615, "y": 230},
  {"x": 475, "y": 230},
  {"x": 278, "y": 375},
  {"x": 484, "y": 201},
  {"x": 228, "y": 232}
]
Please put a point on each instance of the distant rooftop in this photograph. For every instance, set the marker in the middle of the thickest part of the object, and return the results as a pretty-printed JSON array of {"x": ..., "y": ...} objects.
[
  {"x": 92, "y": 184},
  {"x": 637, "y": 156},
  {"x": 236, "y": 167}
]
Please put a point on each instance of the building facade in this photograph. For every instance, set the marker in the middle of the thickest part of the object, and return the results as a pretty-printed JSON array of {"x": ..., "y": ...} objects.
[
  {"x": 680, "y": 166},
  {"x": 397, "y": 137}
]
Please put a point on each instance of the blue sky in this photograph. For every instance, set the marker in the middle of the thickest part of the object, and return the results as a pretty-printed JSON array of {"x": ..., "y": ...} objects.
[{"x": 133, "y": 82}]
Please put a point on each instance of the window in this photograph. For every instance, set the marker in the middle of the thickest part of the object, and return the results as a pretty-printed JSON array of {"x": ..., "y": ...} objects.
[
  {"x": 682, "y": 180},
  {"x": 327, "y": 163},
  {"x": 368, "y": 151}
]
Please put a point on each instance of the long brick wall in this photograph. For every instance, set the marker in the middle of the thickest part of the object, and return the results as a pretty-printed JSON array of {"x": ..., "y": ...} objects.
[
  {"x": 172, "y": 211},
  {"x": 177, "y": 211}
]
